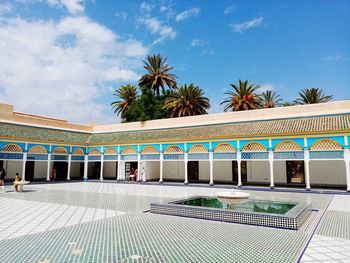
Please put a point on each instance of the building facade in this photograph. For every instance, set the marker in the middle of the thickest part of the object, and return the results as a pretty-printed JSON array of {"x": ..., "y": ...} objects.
[{"x": 305, "y": 146}]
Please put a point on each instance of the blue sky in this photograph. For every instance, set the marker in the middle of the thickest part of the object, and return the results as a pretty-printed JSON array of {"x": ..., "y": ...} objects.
[{"x": 64, "y": 57}]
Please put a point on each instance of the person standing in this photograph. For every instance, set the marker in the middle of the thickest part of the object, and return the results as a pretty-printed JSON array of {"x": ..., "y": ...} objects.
[{"x": 2, "y": 178}]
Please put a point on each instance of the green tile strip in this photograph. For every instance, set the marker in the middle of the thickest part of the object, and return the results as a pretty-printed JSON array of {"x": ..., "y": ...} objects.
[{"x": 335, "y": 224}]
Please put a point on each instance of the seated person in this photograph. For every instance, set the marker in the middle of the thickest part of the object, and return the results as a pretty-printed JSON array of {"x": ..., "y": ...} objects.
[
  {"x": 132, "y": 175},
  {"x": 16, "y": 182}
]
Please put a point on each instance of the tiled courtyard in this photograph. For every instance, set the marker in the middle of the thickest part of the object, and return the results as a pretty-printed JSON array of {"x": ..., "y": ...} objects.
[{"x": 110, "y": 222}]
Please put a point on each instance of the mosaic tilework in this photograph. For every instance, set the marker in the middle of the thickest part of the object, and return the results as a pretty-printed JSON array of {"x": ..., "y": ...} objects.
[
  {"x": 327, "y": 249},
  {"x": 144, "y": 237},
  {"x": 335, "y": 224},
  {"x": 124, "y": 238},
  {"x": 33, "y": 217}
]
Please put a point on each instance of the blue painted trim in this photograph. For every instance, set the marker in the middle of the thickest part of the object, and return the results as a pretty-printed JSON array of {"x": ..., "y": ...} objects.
[
  {"x": 181, "y": 145},
  {"x": 108, "y": 147},
  {"x": 339, "y": 139},
  {"x": 122, "y": 147},
  {"x": 143, "y": 146},
  {"x": 100, "y": 149},
  {"x": 190, "y": 144},
  {"x": 21, "y": 145},
  {"x": 264, "y": 142},
  {"x": 60, "y": 146},
  {"x": 46, "y": 146},
  {"x": 233, "y": 143},
  {"x": 299, "y": 141},
  {"x": 79, "y": 147}
]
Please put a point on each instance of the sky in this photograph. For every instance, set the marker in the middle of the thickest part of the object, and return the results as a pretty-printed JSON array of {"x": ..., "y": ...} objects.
[{"x": 65, "y": 58}]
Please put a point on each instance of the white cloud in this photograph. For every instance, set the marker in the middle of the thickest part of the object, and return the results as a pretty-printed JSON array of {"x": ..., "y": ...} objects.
[
  {"x": 5, "y": 8},
  {"x": 199, "y": 42},
  {"x": 266, "y": 86},
  {"x": 146, "y": 7},
  {"x": 157, "y": 27},
  {"x": 248, "y": 24},
  {"x": 61, "y": 68},
  {"x": 73, "y": 6},
  {"x": 229, "y": 9},
  {"x": 187, "y": 14},
  {"x": 336, "y": 58}
]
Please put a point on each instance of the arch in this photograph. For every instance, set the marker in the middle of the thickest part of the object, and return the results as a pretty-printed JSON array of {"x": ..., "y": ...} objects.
[
  {"x": 224, "y": 148},
  {"x": 110, "y": 151},
  {"x": 254, "y": 147},
  {"x": 94, "y": 152},
  {"x": 129, "y": 150},
  {"x": 60, "y": 150},
  {"x": 38, "y": 149},
  {"x": 78, "y": 151},
  {"x": 326, "y": 145},
  {"x": 288, "y": 146},
  {"x": 173, "y": 149},
  {"x": 198, "y": 148},
  {"x": 13, "y": 148},
  {"x": 149, "y": 150}
]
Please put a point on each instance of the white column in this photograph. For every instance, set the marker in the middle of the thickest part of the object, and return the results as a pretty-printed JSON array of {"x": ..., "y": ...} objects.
[
  {"x": 239, "y": 168},
  {"x": 101, "y": 169},
  {"x": 347, "y": 168},
  {"x": 48, "y": 167},
  {"x": 86, "y": 167},
  {"x": 24, "y": 166},
  {"x": 69, "y": 164},
  {"x": 186, "y": 172},
  {"x": 161, "y": 168},
  {"x": 119, "y": 163},
  {"x": 138, "y": 166},
  {"x": 307, "y": 169},
  {"x": 272, "y": 182},
  {"x": 211, "y": 164}
]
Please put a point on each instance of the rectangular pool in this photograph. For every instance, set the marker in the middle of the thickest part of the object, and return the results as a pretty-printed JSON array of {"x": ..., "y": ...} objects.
[{"x": 279, "y": 214}]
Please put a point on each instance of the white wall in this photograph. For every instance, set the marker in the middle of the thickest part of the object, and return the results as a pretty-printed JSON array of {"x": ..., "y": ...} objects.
[
  {"x": 152, "y": 169},
  {"x": 40, "y": 169},
  {"x": 75, "y": 170},
  {"x": 259, "y": 171},
  {"x": 204, "y": 171},
  {"x": 11, "y": 168},
  {"x": 327, "y": 172},
  {"x": 109, "y": 170},
  {"x": 174, "y": 170},
  {"x": 222, "y": 171}
]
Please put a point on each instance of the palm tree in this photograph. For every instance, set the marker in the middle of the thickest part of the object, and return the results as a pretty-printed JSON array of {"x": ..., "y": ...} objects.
[
  {"x": 311, "y": 96},
  {"x": 186, "y": 101},
  {"x": 270, "y": 99},
  {"x": 158, "y": 74},
  {"x": 125, "y": 95},
  {"x": 243, "y": 97},
  {"x": 287, "y": 103}
]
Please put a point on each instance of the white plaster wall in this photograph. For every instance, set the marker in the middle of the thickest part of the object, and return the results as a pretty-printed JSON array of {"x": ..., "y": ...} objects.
[
  {"x": 204, "y": 171},
  {"x": 222, "y": 171},
  {"x": 122, "y": 170},
  {"x": 327, "y": 172},
  {"x": 280, "y": 171},
  {"x": 174, "y": 170},
  {"x": 258, "y": 171},
  {"x": 40, "y": 169},
  {"x": 109, "y": 170},
  {"x": 152, "y": 169},
  {"x": 11, "y": 168},
  {"x": 75, "y": 170}
]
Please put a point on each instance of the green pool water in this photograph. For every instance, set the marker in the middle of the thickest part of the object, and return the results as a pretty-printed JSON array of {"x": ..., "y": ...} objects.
[{"x": 255, "y": 206}]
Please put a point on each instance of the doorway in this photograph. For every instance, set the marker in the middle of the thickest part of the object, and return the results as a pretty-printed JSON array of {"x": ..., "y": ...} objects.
[
  {"x": 295, "y": 172},
  {"x": 193, "y": 171},
  {"x": 29, "y": 174},
  {"x": 61, "y": 170},
  {"x": 235, "y": 171}
]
